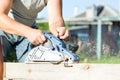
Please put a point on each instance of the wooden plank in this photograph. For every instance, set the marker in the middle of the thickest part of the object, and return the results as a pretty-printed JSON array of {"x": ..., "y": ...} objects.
[{"x": 47, "y": 71}]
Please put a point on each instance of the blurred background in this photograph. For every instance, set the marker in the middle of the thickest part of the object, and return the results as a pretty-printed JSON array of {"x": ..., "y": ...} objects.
[
  {"x": 94, "y": 27},
  {"x": 74, "y": 7}
]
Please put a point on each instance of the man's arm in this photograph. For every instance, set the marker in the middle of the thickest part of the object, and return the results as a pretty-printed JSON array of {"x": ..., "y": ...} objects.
[
  {"x": 56, "y": 21},
  {"x": 1, "y": 63},
  {"x": 6, "y": 23},
  {"x": 13, "y": 27}
]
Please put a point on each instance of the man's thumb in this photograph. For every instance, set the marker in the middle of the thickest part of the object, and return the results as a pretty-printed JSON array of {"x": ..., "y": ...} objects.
[{"x": 56, "y": 33}]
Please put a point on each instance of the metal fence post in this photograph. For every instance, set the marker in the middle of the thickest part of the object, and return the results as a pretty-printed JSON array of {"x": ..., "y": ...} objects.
[{"x": 99, "y": 32}]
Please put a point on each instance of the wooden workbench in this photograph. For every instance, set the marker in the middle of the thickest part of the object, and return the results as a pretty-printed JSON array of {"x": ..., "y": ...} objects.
[{"x": 48, "y": 71}]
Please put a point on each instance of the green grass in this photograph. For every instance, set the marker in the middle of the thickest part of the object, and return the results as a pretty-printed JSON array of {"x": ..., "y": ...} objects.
[{"x": 103, "y": 59}]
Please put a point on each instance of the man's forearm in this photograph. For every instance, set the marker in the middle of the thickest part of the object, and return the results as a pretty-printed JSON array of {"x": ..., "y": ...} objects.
[
  {"x": 57, "y": 23},
  {"x": 55, "y": 13},
  {"x": 13, "y": 27}
]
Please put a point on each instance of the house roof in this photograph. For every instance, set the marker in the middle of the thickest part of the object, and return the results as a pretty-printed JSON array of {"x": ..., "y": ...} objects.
[
  {"x": 99, "y": 11},
  {"x": 92, "y": 14}
]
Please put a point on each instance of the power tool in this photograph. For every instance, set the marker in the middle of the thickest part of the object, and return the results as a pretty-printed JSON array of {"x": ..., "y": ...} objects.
[{"x": 55, "y": 53}]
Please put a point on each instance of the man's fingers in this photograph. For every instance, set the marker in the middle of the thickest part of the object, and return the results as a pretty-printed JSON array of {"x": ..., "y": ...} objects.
[
  {"x": 65, "y": 36},
  {"x": 55, "y": 33},
  {"x": 43, "y": 39},
  {"x": 61, "y": 31},
  {"x": 40, "y": 40},
  {"x": 36, "y": 43}
]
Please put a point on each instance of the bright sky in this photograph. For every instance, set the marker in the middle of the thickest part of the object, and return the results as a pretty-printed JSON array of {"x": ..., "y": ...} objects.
[{"x": 81, "y": 5}]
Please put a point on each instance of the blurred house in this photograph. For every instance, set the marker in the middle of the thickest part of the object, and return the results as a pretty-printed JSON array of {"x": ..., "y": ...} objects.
[{"x": 84, "y": 25}]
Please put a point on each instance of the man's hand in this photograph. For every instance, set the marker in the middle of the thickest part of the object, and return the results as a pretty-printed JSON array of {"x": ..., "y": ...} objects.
[
  {"x": 36, "y": 37},
  {"x": 60, "y": 32}
]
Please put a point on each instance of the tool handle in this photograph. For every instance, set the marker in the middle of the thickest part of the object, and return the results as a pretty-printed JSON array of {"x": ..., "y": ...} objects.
[{"x": 55, "y": 41}]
